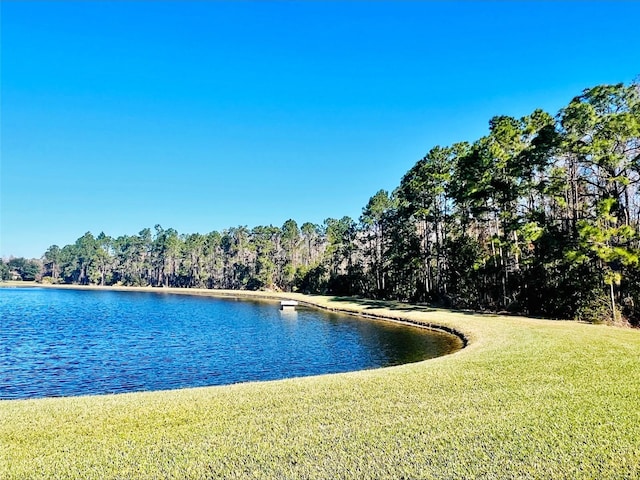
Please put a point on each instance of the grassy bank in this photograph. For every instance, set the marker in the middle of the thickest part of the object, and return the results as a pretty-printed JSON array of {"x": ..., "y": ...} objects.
[{"x": 526, "y": 399}]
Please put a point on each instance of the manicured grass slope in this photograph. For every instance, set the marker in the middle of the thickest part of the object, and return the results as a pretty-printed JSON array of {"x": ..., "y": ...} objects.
[{"x": 526, "y": 399}]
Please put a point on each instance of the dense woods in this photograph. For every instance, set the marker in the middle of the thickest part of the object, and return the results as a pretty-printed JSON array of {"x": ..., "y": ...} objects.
[{"x": 541, "y": 216}]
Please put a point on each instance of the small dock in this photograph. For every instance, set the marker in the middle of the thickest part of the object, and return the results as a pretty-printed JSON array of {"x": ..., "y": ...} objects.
[{"x": 288, "y": 305}]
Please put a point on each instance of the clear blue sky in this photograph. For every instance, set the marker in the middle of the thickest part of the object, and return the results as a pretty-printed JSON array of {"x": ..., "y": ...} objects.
[{"x": 200, "y": 116}]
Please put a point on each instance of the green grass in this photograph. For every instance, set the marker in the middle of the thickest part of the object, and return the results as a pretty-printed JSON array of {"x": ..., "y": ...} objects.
[{"x": 526, "y": 399}]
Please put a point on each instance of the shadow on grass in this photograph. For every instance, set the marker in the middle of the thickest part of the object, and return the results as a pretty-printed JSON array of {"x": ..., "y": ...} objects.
[
  {"x": 388, "y": 304},
  {"x": 412, "y": 307}
]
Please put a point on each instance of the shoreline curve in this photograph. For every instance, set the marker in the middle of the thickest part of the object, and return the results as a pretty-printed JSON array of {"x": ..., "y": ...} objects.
[{"x": 330, "y": 303}]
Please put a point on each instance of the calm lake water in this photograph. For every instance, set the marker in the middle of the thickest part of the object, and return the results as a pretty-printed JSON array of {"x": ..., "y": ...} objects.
[{"x": 71, "y": 342}]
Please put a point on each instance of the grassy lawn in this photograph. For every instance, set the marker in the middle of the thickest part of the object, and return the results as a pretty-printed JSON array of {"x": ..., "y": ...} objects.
[{"x": 526, "y": 399}]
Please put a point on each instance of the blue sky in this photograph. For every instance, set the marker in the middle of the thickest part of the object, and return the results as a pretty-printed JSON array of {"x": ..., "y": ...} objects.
[{"x": 116, "y": 116}]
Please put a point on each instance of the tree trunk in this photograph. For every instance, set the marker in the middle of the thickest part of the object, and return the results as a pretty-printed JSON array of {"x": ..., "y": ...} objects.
[{"x": 613, "y": 303}]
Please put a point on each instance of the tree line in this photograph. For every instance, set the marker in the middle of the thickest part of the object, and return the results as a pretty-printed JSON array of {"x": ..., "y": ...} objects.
[
  {"x": 20, "y": 268},
  {"x": 541, "y": 216}
]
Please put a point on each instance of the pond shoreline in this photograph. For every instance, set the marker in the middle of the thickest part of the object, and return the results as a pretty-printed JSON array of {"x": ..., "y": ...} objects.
[
  {"x": 376, "y": 310},
  {"x": 233, "y": 338}
]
